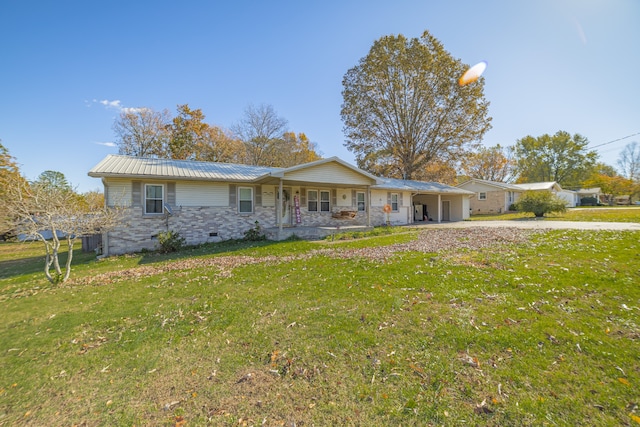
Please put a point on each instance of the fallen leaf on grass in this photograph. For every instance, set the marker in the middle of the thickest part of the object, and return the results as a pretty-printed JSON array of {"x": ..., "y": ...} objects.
[
  {"x": 470, "y": 360},
  {"x": 244, "y": 378},
  {"x": 635, "y": 418},
  {"x": 482, "y": 408},
  {"x": 624, "y": 381},
  {"x": 170, "y": 405}
]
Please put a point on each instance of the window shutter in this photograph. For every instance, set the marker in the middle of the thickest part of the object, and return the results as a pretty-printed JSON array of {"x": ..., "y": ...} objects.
[
  {"x": 258, "y": 195},
  {"x": 303, "y": 196},
  {"x": 233, "y": 200},
  {"x": 354, "y": 200},
  {"x": 389, "y": 198},
  {"x": 400, "y": 200},
  {"x": 136, "y": 194},
  {"x": 334, "y": 197},
  {"x": 171, "y": 194}
]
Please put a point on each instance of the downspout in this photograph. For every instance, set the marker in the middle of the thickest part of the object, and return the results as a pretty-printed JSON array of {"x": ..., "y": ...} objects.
[{"x": 439, "y": 208}]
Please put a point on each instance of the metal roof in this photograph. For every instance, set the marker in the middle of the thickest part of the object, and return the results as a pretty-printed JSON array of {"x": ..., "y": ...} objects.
[
  {"x": 131, "y": 167},
  {"x": 417, "y": 186},
  {"x": 115, "y": 165},
  {"x": 533, "y": 186},
  {"x": 497, "y": 184}
]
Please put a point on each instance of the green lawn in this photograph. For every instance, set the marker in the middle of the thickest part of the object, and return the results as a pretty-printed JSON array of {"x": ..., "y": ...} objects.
[
  {"x": 503, "y": 328},
  {"x": 606, "y": 214}
]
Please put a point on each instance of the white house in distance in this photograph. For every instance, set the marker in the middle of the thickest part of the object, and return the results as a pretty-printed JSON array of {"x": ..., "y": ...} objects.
[
  {"x": 571, "y": 198},
  {"x": 593, "y": 193},
  {"x": 491, "y": 196},
  {"x": 206, "y": 201},
  {"x": 497, "y": 197}
]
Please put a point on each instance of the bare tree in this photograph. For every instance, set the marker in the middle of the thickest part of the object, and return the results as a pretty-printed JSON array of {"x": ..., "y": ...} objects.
[
  {"x": 142, "y": 132},
  {"x": 260, "y": 130},
  {"x": 490, "y": 163},
  {"x": 629, "y": 161},
  {"x": 52, "y": 214}
]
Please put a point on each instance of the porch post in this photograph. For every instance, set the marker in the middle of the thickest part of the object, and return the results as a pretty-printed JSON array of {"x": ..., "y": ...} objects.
[
  {"x": 279, "y": 210},
  {"x": 368, "y": 206},
  {"x": 439, "y": 208}
]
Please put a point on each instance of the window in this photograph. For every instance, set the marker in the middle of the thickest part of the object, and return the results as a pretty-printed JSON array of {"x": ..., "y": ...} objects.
[
  {"x": 324, "y": 201},
  {"x": 245, "y": 200},
  {"x": 482, "y": 196},
  {"x": 312, "y": 200},
  {"x": 360, "y": 201},
  {"x": 314, "y": 204},
  {"x": 153, "y": 199},
  {"x": 394, "y": 202}
]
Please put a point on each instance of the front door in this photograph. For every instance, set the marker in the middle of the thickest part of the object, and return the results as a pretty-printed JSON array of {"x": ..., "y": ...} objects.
[{"x": 285, "y": 207}]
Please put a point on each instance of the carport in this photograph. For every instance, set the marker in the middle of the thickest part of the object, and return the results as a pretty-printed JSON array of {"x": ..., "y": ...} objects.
[{"x": 430, "y": 201}]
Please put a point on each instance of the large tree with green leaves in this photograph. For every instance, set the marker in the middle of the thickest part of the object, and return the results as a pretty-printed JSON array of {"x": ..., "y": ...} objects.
[
  {"x": 404, "y": 109},
  {"x": 563, "y": 158}
]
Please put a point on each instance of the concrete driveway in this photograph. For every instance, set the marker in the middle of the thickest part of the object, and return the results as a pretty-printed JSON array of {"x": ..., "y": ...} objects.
[{"x": 540, "y": 224}]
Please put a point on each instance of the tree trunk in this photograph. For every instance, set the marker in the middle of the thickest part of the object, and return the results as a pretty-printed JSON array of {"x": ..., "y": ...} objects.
[
  {"x": 48, "y": 259},
  {"x": 56, "y": 249},
  {"x": 67, "y": 267}
]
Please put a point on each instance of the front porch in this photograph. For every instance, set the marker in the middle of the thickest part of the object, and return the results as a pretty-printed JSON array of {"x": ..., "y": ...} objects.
[{"x": 312, "y": 233}]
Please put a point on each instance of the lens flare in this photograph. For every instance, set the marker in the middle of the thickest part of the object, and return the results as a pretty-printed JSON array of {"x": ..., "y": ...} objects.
[{"x": 473, "y": 73}]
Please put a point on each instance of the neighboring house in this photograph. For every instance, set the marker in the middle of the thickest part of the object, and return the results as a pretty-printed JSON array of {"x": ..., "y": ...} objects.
[
  {"x": 622, "y": 200},
  {"x": 594, "y": 193},
  {"x": 206, "y": 201},
  {"x": 497, "y": 197},
  {"x": 551, "y": 186},
  {"x": 572, "y": 198},
  {"x": 490, "y": 196}
]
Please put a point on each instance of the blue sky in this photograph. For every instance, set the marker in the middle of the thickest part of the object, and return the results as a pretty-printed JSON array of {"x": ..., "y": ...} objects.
[{"x": 67, "y": 67}]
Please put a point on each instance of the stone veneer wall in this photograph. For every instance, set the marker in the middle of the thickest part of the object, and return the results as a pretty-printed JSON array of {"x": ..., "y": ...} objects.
[
  {"x": 324, "y": 219},
  {"x": 195, "y": 224}
]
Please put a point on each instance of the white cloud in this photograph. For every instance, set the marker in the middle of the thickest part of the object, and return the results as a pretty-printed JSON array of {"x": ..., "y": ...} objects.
[
  {"x": 133, "y": 109},
  {"x": 107, "y": 144},
  {"x": 111, "y": 104},
  {"x": 116, "y": 104}
]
